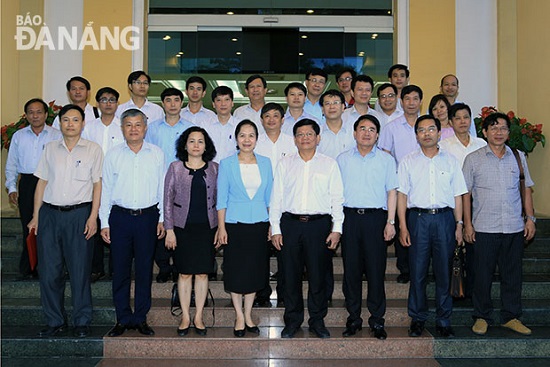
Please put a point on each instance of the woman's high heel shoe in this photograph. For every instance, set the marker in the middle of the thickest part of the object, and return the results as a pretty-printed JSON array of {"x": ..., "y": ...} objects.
[
  {"x": 252, "y": 329},
  {"x": 184, "y": 332}
]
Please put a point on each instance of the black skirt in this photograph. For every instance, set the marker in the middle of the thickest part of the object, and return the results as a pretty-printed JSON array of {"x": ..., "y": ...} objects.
[
  {"x": 195, "y": 250},
  {"x": 245, "y": 257}
]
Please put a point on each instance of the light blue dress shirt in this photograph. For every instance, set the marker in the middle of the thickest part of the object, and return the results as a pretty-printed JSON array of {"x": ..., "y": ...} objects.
[
  {"x": 165, "y": 136},
  {"x": 398, "y": 138},
  {"x": 315, "y": 110}
]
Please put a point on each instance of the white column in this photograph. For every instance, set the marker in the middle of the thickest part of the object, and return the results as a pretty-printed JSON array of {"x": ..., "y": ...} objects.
[
  {"x": 402, "y": 32},
  {"x": 138, "y": 20},
  {"x": 61, "y": 65},
  {"x": 476, "y": 53}
]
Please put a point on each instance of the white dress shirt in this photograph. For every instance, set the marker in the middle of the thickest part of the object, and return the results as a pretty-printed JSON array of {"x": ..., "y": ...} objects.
[
  {"x": 246, "y": 112},
  {"x": 430, "y": 183},
  {"x": 332, "y": 144},
  {"x": 223, "y": 136},
  {"x": 312, "y": 187},
  {"x": 132, "y": 180},
  {"x": 456, "y": 148},
  {"x": 106, "y": 136},
  {"x": 153, "y": 111},
  {"x": 25, "y": 151},
  {"x": 351, "y": 115},
  {"x": 201, "y": 118},
  {"x": 89, "y": 115},
  {"x": 385, "y": 119},
  {"x": 275, "y": 151}
]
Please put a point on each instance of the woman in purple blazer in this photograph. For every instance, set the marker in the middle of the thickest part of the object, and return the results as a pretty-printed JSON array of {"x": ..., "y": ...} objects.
[{"x": 190, "y": 219}]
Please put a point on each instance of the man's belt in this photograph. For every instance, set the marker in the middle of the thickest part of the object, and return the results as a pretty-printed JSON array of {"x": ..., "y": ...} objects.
[
  {"x": 67, "y": 208},
  {"x": 432, "y": 211},
  {"x": 135, "y": 212},
  {"x": 305, "y": 217}
]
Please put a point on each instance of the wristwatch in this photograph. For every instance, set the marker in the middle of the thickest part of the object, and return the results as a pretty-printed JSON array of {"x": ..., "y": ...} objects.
[
  {"x": 532, "y": 217},
  {"x": 391, "y": 221},
  {"x": 459, "y": 222}
]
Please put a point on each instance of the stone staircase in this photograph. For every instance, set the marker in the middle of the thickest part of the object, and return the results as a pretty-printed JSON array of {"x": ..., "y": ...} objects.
[{"x": 22, "y": 318}]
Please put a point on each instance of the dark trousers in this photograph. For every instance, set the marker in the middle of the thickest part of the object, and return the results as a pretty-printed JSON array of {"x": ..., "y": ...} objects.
[
  {"x": 304, "y": 244},
  {"x": 61, "y": 241},
  {"x": 264, "y": 294},
  {"x": 133, "y": 237},
  {"x": 25, "y": 202},
  {"x": 163, "y": 256},
  {"x": 364, "y": 251},
  {"x": 432, "y": 235},
  {"x": 98, "y": 265},
  {"x": 506, "y": 251},
  {"x": 401, "y": 252}
]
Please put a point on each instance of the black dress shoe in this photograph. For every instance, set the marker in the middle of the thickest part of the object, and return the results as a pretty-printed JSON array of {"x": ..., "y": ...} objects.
[
  {"x": 117, "y": 330},
  {"x": 445, "y": 331},
  {"x": 288, "y": 332},
  {"x": 351, "y": 329},
  {"x": 280, "y": 303},
  {"x": 183, "y": 332},
  {"x": 52, "y": 331},
  {"x": 81, "y": 331},
  {"x": 163, "y": 277},
  {"x": 201, "y": 332},
  {"x": 403, "y": 278},
  {"x": 320, "y": 330},
  {"x": 379, "y": 332},
  {"x": 261, "y": 303},
  {"x": 416, "y": 329},
  {"x": 239, "y": 333},
  {"x": 252, "y": 329},
  {"x": 145, "y": 329},
  {"x": 96, "y": 276}
]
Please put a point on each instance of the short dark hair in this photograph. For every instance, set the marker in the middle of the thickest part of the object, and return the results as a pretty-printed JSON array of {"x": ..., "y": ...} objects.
[
  {"x": 69, "y": 107},
  {"x": 384, "y": 86},
  {"x": 457, "y": 107},
  {"x": 408, "y": 89},
  {"x": 222, "y": 90},
  {"x": 334, "y": 93},
  {"x": 364, "y": 79},
  {"x": 492, "y": 119},
  {"x": 427, "y": 117},
  {"x": 134, "y": 75},
  {"x": 104, "y": 90},
  {"x": 272, "y": 106},
  {"x": 306, "y": 122},
  {"x": 36, "y": 100},
  {"x": 171, "y": 92},
  {"x": 196, "y": 79},
  {"x": 244, "y": 123},
  {"x": 345, "y": 70},
  {"x": 78, "y": 79},
  {"x": 317, "y": 71},
  {"x": 209, "y": 151},
  {"x": 398, "y": 67},
  {"x": 132, "y": 112},
  {"x": 437, "y": 98},
  {"x": 444, "y": 76},
  {"x": 251, "y": 78},
  {"x": 295, "y": 85},
  {"x": 371, "y": 118}
]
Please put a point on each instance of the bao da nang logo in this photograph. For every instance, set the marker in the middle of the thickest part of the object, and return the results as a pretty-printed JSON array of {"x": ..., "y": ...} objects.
[{"x": 33, "y": 34}]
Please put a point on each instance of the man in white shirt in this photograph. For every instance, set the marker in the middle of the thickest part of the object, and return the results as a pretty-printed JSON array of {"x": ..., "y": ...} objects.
[
  {"x": 361, "y": 88},
  {"x": 316, "y": 79},
  {"x": 222, "y": 129},
  {"x": 306, "y": 216},
  {"x": 399, "y": 76},
  {"x": 256, "y": 89},
  {"x": 388, "y": 99},
  {"x": 131, "y": 217},
  {"x": 449, "y": 88},
  {"x": 138, "y": 84},
  {"x": 105, "y": 131},
  {"x": 429, "y": 203},
  {"x": 24, "y": 154},
  {"x": 78, "y": 90},
  {"x": 295, "y": 94},
  {"x": 336, "y": 135},
  {"x": 195, "y": 112}
]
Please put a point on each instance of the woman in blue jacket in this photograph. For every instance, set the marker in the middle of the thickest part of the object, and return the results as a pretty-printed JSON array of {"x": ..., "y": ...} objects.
[{"x": 244, "y": 188}]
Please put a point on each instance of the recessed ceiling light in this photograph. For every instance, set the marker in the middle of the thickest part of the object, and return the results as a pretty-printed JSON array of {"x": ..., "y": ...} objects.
[
  {"x": 389, "y": 12},
  {"x": 234, "y": 39},
  {"x": 180, "y": 53},
  {"x": 238, "y": 53},
  {"x": 375, "y": 34},
  {"x": 310, "y": 11},
  {"x": 166, "y": 38},
  {"x": 300, "y": 54},
  {"x": 230, "y": 13},
  {"x": 304, "y": 36},
  {"x": 361, "y": 53}
]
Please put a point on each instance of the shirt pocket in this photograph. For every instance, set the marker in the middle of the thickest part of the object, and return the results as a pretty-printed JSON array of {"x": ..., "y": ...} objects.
[
  {"x": 83, "y": 172},
  {"x": 444, "y": 178},
  {"x": 511, "y": 178}
]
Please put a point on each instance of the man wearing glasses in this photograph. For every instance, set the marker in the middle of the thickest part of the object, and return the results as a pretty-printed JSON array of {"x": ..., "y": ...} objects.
[
  {"x": 138, "y": 84},
  {"x": 306, "y": 218},
  {"x": 387, "y": 98},
  {"x": 106, "y": 132},
  {"x": 316, "y": 79},
  {"x": 343, "y": 80},
  {"x": 336, "y": 137}
]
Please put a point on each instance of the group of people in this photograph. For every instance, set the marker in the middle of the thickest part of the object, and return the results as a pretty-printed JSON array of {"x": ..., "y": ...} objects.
[{"x": 173, "y": 184}]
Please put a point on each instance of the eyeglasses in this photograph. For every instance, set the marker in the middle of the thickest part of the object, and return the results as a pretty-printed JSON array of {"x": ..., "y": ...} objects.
[
  {"x": 108, "y": 100},
  {"x": 346, "y": 79},
  {"x": 389, "y": 96},
  {"x": 318, "y": 81},
  {"x": 139, "y": 82},
  {"x": 333, "y": 103},
  {"x": 499, "y": 129},
  {"x": 303, "y": 135},
  {"x": 370, "y": 130},
  {"x": 429, "y": 130}
]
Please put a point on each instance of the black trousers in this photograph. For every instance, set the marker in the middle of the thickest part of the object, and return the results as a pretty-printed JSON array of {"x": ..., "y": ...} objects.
[
  {"x": 25, "y": 201},
  {"x": 401, "y": 252},
  {"x": 506, "y": 251},
  {"x": 304, "y": 244},
  {"x": 98, "y": 265},
  {"x": 163, "y": 256},
  {"x": 264, "y": 294},
  {"x": 364, "y": 251}
]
